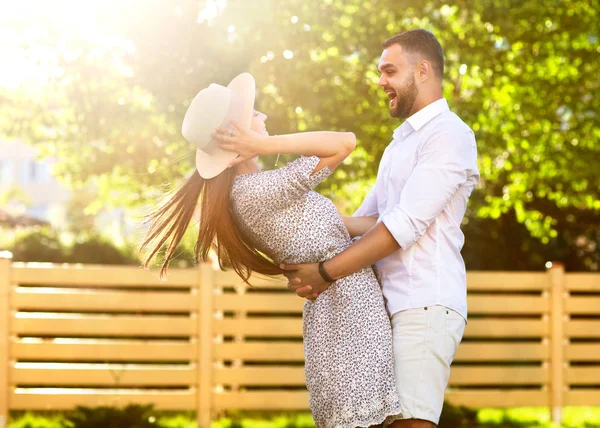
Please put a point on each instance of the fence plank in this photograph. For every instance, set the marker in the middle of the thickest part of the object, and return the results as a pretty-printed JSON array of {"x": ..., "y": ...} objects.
[
  {"x": 467, "y": 351},
  {"x": 298, "y": 400},
  {"x": 104, "y": 350},
  {"x": 32, "y": 299},
  {"x": 583, "y": 375},
  {"x": 510, "y": 305},
  {"x": 582, "y": 397},
  {"x": 98, "y": 275},
  {"x": 205, "y": 290},
  {"x": 262, "y": 400},
  {"x": 582, "y": 281},
  {"x": 506, "y": 281},
  {"x": 259, "y": 302},
  {"x": 505, "y": 328},
  {"x": 556, "y": 280},
  {"x": 508, "y": 351},
  {"x": 62, "y": 325},
  {"x": 583, "y": 352},
  {"x": 260, "y": 376},
  {"x": 497, "y": 397},
  {"x": 583, "y": 328},
  {"x": 498, "y": 375},
  {"x": 583, "y": 305},
  {"x": 5, "y": 327},
  {"x": 66, "y": 399},
  {"x": 115, "y": 375},
  {"x": 262, "y": 327},
  {"x": 260, "y": 351},
  {"x": 230, "y": 278}
]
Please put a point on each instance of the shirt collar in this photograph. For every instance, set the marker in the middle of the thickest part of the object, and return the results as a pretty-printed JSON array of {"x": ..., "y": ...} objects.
[{"x": 420, "y": 118}]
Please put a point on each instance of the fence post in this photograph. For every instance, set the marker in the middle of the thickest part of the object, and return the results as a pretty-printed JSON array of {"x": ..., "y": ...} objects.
[
  {"x": 556, "y": 277},
  {"x": 204, "y": 318},
  {"x": 5, "y": 314}
]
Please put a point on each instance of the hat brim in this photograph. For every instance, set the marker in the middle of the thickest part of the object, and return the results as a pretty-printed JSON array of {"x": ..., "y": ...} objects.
[{"x": 209, "y": 166}]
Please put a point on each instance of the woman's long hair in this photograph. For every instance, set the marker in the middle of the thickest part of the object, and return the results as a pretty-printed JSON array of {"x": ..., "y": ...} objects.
[{"x": 217, "y": 228}]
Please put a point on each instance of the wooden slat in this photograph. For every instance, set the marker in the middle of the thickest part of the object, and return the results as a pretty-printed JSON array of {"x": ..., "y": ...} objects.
[
  {"x": 509, "y": 351},
  {"x": 583, "y": 375},
  {"x": 583, "y": 328},
  {"x": 105, "y": 326},
  {"x": 89, "y": 300},
  {"x": 105, "y": 350},
  {"x": 260, "y": 376},
  {"x": 498, "y": 328},
  {"x": 5, "y": 321},
  {"x": 262, "y": 400},
  {"x": 229, "y": 278},
  {"x": 478, "y": 398},
  {"x": 511, "y": 305},
  {"x": 582, "y": 397},
  {"x": 582, "y": 281},
  {"x": 263, "y": 327},
  {"x": 498, "y": 375},
  {"x": 505, "y": 281},
  {"x": 259, "y": 351},
  {"x": 277, "y": 327},
  {"x": 469, "y": 351},
  {"x": 583, "y": 352},
  {"x": 288, "y": 400},
  {"x": 99, "y": 275},
  {"x": 259, "y": 302},
  {"x": 583, "y": 305},
  {"x": 63, "y": 375},
  {"x": 63, "y": 400}
]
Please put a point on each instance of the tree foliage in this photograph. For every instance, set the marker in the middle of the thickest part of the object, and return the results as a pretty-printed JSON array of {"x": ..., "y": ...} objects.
[{"x": 523, "y": 75}]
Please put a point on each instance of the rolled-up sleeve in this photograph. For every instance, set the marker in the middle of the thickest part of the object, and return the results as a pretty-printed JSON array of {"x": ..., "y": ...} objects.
[{"x": 445, "y": 162}]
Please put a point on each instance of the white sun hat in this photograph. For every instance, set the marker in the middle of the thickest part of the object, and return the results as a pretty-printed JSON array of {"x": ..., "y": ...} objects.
[{"x": 214, "y": 107}]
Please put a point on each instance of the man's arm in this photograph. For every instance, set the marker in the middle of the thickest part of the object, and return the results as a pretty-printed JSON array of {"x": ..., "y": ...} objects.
[
  {"x": 375, "y": 245},
  {"x": 446, "y": 161}
]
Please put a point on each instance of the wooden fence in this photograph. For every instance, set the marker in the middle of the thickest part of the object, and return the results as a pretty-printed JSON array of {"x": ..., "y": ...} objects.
[{"x": 107, "y": 335}]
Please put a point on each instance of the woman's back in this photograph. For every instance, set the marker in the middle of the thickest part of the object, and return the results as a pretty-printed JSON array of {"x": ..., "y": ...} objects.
[{"x": 280, "y": 214}]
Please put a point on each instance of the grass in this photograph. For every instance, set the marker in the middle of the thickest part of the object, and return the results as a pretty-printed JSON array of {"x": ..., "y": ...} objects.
[
  {"x": 539, "y": 417},
  {"x": 524, "y": 417}
]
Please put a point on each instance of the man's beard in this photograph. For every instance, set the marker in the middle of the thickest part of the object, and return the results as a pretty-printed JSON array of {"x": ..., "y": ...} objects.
[{"x": 405, "y": 99}]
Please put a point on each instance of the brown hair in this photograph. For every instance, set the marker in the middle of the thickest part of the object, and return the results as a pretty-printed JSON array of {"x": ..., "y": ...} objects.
[
  {"x": 422, "y": 42},
  {"x": 217, "y": 228}
]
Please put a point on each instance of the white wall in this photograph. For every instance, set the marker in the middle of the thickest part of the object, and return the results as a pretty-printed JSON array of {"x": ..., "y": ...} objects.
[{"x": 21, "y": 169}]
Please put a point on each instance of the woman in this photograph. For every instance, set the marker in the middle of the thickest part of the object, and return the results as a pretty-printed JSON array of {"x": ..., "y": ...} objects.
[{"x": 257, "y": 219}]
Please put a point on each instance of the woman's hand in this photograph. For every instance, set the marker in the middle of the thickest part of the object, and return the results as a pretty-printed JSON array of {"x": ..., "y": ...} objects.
[{"x": 243, "y": 141}]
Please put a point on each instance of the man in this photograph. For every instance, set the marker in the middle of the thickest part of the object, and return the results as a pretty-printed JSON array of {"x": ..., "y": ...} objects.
[{"x": 425, "y": 178}]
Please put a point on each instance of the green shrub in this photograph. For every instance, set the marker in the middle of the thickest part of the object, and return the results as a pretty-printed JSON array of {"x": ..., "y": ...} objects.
[
  {"x": 457, "y": 417},
  {"x": 132, "y": 416},
  {"x": 30, "y": 420},
  {"x": 98, "y": 250},
  {"x": 40, "y": 244}
]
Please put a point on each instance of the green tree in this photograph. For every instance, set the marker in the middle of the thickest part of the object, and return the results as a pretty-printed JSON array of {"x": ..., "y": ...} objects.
[{"x": 523, "y": 75}]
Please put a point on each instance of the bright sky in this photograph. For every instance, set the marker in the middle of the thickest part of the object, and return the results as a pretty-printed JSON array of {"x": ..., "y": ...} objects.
[{"x": 27, "y": 52}]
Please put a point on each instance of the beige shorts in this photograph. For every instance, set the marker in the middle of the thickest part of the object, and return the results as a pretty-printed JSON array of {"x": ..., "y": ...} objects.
[{"x": 425, "y": 342}]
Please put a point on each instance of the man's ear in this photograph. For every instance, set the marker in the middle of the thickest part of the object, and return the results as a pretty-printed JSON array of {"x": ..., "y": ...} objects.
[{"x": 424, "y": 70}]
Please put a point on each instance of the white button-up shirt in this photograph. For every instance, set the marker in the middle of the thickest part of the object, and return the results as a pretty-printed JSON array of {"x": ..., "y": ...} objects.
[{"x": 425, "y": 178}]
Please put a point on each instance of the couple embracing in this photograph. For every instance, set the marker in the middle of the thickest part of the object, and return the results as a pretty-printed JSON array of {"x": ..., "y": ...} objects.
[{"x": 378, "y": 348}]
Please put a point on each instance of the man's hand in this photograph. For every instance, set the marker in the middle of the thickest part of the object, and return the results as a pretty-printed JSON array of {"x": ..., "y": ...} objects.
[{"x": 305, "y": 280}]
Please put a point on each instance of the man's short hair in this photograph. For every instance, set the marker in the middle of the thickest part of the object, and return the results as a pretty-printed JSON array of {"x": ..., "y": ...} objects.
[{"x": 422, "y": 42}]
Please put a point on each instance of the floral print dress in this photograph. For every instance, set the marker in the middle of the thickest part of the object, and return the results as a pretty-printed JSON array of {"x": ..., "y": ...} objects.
[{"x": 349, "y": 363}]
